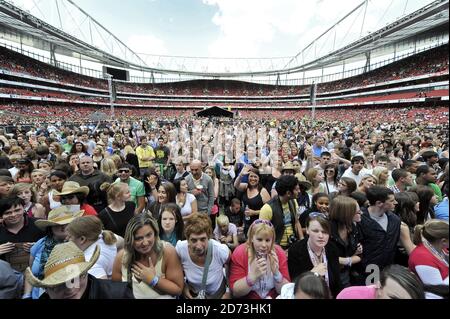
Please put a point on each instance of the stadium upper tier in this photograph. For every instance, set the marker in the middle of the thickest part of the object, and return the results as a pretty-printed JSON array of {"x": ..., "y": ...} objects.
[{"x": 28, "y": 70}]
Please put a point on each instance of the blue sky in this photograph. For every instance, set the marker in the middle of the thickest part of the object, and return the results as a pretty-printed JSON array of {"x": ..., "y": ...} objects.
[
  {"x": 227, "y": 28},
  {"x": 184, "y": 26}
]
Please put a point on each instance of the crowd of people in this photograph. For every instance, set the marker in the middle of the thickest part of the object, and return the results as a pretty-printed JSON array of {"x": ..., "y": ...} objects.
[
  {"x": 187, "y": 208},
  {"x": 33, "y": 114},
  {"x": 157, "y": 203}
]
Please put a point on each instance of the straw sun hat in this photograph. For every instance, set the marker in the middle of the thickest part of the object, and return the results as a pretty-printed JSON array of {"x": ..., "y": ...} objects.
[
  {"x": 58, "y": 216},
  {"x": 72, "y": 188},
  {"x": 288, "y": 167},
  {"x": 66, "y": 262}
]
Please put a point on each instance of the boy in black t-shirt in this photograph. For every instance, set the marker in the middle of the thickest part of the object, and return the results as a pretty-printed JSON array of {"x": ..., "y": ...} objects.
[{"x": 17, "y": 234}]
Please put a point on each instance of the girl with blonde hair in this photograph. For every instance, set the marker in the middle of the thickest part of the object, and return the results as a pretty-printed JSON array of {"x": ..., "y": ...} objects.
[
  {"x": 367, "y": 181},
  {"x": 382, "y": 175},
  {"x": 32, "y": 207},
  {"x": 108, "y": 166},
  {"x": 117, "y": 159},
  {"x": 120, "y": 208},
  {"x": 258, "y": 268},
  {"x": 226, "y": 232},
  {"x": 38, "y": 179},
  {"x": 98, "y": 155}
]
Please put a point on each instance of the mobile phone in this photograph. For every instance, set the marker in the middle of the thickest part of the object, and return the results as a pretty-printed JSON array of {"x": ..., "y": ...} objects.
[{"x": 260, "y": 255}]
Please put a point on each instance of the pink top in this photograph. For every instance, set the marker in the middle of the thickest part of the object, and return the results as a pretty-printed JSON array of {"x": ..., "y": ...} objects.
[
  {"x": 358, "y": 292},
  {"x": 239, "y": 268}
]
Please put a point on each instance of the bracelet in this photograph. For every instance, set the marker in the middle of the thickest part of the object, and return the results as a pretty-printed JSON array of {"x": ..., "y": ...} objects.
[
  {"x": 154, "y": 281},
  {"x": 278, "y": 277},
  {"x": 249, "y": 282},
  {"x": 349, "y": 261}
]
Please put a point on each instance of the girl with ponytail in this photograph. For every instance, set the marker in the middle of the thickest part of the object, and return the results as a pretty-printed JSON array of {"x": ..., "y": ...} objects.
[
  {"x": 87, "y": 232},
  {"x": 429, "y": 260},
  {"x": 120, "y": 210}
]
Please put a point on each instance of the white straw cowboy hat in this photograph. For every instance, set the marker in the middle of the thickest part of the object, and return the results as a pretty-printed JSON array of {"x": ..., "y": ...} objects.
[
  {"x": 72, "y": 188},
  {"x": 66, "y": 262},
  {"x": 58, "y": 216}
]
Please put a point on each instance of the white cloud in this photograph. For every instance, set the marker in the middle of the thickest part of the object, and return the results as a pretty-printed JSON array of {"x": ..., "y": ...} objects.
[
  {"x": 248, "y": 28},
  {"x": 27, "y": 4},
  {"x": 148, "y": 44}
]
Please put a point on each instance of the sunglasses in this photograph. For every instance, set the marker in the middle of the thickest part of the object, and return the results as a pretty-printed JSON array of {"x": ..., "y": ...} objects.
[
  {"x": 70, "y": 196},
  {"x": 124, "y": 171},
  {"x": 262, "y": 221},
  {"x": 318, "y": 215}
]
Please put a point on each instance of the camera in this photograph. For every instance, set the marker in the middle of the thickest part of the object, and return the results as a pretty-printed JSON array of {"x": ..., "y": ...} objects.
[{"x": 291, "y": 240}]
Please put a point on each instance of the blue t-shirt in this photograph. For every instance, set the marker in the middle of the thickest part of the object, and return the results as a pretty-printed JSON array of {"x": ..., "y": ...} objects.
[
  {"x": 441, "y": 209},
  {"x": 36, "y": 252},
  {"x": 318, "y": 150}
]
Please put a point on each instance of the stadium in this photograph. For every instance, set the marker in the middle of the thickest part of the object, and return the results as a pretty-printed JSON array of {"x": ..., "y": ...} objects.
[{"x": 78, "y": 105}]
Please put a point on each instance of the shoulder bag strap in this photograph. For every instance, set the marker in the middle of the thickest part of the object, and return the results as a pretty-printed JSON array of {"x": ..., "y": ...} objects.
[
  {"x": 111, "y": 218},
  {"x": 207, "y": 263}
]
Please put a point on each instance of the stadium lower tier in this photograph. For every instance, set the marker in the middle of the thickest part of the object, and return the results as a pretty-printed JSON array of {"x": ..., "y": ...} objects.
[{"x": 24, "y": 113}]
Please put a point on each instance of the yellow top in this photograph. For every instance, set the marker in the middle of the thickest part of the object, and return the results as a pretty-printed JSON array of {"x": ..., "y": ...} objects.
[
  {"x": 266, "y": 213},
  {"x": 142, "y": 153}
]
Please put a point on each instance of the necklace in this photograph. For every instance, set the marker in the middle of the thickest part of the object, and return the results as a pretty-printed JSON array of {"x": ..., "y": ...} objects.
[
  {"x": 181, "y": 199},
  {"x": 317, "y": 257}
]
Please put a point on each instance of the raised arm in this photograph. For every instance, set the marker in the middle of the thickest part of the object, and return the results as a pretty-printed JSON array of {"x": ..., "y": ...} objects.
[{"x": 237, "y": 183}]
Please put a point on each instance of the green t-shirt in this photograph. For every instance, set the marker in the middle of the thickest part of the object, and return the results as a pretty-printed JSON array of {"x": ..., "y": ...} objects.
[
  {"x": 436, "y": 190},
  {"x": 137, "y": 189}
]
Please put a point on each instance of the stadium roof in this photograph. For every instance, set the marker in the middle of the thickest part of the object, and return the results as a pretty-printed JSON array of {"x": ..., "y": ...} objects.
[
  {"x": 429, "y": 17},
  {"x": 32, "y": 30}
]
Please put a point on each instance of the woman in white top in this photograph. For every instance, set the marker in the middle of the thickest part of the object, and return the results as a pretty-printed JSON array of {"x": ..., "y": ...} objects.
[
  {"x": 192, "y": 253},
  {"x": 186, "y": 201},
  {"x": 149, "y": 264},
  {"x": 86, "y": 232},
  {"x": 330, "y": 183}
]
